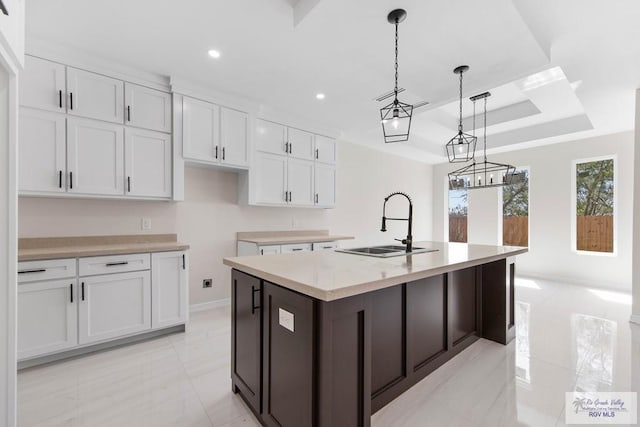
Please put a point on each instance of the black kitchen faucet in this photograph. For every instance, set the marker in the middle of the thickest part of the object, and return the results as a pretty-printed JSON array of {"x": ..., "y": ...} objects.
[{"x": 409, "y": 240}]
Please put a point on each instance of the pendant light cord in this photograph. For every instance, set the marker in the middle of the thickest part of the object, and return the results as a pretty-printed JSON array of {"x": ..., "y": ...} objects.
[
  {"x": 460, "y": 124},
  {"x": 395, "y": 90},
  {"x": 484, "y": 138}
]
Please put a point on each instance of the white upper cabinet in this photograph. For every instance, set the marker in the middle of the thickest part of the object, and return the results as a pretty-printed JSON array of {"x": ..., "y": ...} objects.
[
  {"x": 201, "y": 130},
  {"x": 300, "y": 182},
  {"x": 95, "y": 157},
  {"x": 271, "y": 171},
  {"x": 325, "y": 150},
  {"x": 300, "y": 144},
  {"x": 325, "y": 185},
  {"x": 147, "y": 163},
  {"x": 234, "y": 130},
  {"x": 147, "y": 108},
  {"x": 42, "y": 148},
  {"x": 95, "y": 96},
  {"x": 42, "y": 85},
  {"x": 271, "y": 137}
]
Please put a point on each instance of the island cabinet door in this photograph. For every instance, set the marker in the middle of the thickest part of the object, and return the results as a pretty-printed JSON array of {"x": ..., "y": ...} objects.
[
  {"x": 288, "y": 366},
  {"x": 246, "y": 360},
  {"x": 463, "y": 306}
]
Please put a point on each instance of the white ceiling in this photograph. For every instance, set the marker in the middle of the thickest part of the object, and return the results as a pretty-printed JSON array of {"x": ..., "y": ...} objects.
[{"x": 282, "y": 52}]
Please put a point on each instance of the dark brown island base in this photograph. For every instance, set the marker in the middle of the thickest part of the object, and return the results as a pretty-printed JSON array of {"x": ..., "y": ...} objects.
[{"x": 318, "y": 341}]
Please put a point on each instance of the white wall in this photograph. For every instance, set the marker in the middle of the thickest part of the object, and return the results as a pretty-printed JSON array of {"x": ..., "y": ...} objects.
[
  {"x": 210, "y": 216},
  {"x": 636, "y": 217},
  {"x": 550, "y": 196}
]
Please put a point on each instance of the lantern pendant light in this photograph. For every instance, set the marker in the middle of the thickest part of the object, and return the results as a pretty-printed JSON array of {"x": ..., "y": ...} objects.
[
  {"x": 485, "y": 174},
  {"x": 462, "y": 147},
  {"x": 396, "y": 117}
]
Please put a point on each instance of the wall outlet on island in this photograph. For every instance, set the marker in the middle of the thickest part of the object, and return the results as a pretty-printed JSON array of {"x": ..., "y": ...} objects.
[
  {"x": 145, "y": 224},
  {"x": 207, "y": 283}
]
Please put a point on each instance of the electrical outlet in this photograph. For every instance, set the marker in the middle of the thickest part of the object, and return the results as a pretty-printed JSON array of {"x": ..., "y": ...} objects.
[
  {"x": 207, "y": 283},
  {"x": 145, "y": 224}
]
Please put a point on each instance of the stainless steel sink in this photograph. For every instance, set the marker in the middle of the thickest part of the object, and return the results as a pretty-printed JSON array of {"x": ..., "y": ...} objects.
[{"x": 385, "y": 251}]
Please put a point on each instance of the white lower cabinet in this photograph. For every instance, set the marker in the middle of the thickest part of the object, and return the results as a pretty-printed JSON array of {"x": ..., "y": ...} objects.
[
  {"x": 47, "y": 317},
  {"x": 169, "y": 289},
  {"x": 115, "y": 297},
  {"x": 114, "y": 305}
]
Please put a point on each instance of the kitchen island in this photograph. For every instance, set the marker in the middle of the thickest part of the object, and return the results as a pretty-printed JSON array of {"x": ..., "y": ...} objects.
[{"x": 328, "y": 338}]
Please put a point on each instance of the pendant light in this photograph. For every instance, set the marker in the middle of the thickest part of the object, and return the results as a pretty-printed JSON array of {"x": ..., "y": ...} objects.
[
  {"x": 396, "y": 117},
  {"x": 485, "y": 174},
  {"x": 462, "y": 147}
]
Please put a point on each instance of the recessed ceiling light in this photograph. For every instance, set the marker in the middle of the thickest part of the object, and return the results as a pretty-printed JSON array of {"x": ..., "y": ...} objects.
[
  {"x": 319, "y": 95},
  {"x": 214, "y": 53}
]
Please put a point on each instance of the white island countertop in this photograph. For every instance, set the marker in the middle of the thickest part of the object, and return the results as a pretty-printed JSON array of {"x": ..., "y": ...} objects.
[{"x": 329, "y": 275}]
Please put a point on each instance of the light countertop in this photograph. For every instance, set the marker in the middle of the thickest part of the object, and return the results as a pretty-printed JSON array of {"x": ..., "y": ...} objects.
[
  {"x": 330, "y": 275},
  {"x": 31, "y": 249},
  {"x": 288, "y": 237}
]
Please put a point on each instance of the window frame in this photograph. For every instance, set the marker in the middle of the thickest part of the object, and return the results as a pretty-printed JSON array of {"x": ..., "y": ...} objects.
[
  {"x": 519, "y": 168},
  {"x": 574, "y": 207}
]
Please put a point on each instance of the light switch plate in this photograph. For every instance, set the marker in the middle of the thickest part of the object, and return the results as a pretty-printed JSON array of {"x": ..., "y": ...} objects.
[{"x": 286, "y": 319}]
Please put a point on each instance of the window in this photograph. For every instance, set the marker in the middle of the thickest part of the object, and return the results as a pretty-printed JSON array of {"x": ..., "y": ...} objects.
[
  {"x": 594, "y": 205},
  {"x": 515, "y": 210},
  {"x": 458, "y": 205}
]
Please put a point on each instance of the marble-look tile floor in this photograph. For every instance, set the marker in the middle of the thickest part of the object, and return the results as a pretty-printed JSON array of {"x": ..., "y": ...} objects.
[{"x": 568, "y": 338}]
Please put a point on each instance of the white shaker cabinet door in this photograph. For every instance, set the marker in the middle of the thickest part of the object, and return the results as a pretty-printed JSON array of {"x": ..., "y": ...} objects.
[
  {"x": 42, "y": 85},
  {"x": 270, "y": 137},
  {"x": 147, "y": 108},
  {"x": 325, "y": 150},
  {"x": 300, "y": 144},
  {"x": 201, "y": 130},
  {"x": 300, "y": 182},
  {"x": 271, "y": 178},
  {"x": 325, "y": 183},
  {"x": 42, "y": 149},
  {"x": 47, "y": 317},
  {"x": 169, "y": 296},
  {"x": 95, "y": 157},
  {"x": 95, "y": 96},
  {"x": 147, "y": 163},
  {"x": 114, "y": 305},
  {"x": 234, "y": 125}
]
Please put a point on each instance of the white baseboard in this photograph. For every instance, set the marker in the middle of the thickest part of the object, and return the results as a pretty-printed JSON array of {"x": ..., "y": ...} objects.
[
  {"x": 635, "y": 318},
  {"x": 209, "y": 305},
  {"x": 609, "y": 286}
]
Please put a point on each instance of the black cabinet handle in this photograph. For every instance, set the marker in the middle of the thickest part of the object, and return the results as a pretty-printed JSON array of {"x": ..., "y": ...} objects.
[
  {"x": 60, "y": 179},
  {"x": 316, "y": 198},
  {"x": 296, "y": 249},
  {"x": 223, "y": 150},
  {"x": 286, "y": 147},
  {"x": 216, "y": 151},
  {"x": 39, "y": 270},
  {"x": 60, "y": 98},
  {"x": 71, "y": 180},
  {"x": 289, "y": 196},
  {"x": 261, "y": 251},
  {"x": 113, "y": 264},
  {"x": 128, "y": 184},
  {"x": 71, "y": 99},
  {"x": 254, "y": 307},
  {"x": 290, "y": 148},
  {"x": 316, "y": 154},
  {"x": 71, "y": 292},
  {"x": 82, "y": 291},
  {"x": 128, "y": 113},
  {"x": 184, "y": 262}
]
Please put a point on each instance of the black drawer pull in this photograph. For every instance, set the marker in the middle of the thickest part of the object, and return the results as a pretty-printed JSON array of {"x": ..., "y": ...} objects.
[
  {"x": 39, "y": 270},
  {"x": 296, "y": 249},
  {"x": 254, "y": 307},
  {"x": 112, "y": 264}
]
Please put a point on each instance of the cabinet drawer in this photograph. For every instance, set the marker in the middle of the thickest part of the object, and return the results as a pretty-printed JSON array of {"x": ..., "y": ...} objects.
[
  {"x": 31, "y": 271},
  {"x": 114, "y": 264},
  {"x": 325, "y": 245},
  {"x": 296, "y": 248}
]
